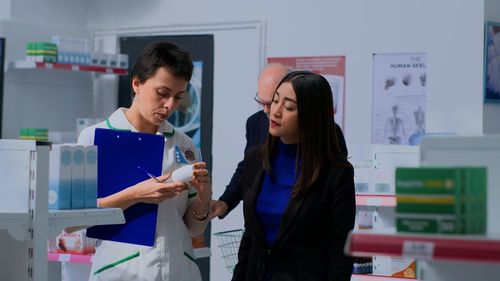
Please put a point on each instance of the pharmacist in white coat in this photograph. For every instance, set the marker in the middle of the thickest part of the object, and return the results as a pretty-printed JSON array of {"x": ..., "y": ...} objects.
[{"x": 160, "y": 77}]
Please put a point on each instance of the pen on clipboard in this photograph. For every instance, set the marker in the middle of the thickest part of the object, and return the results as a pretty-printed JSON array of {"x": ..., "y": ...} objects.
[
  {"x": 149, "y": 174},
  {"x": 153, "y": 177}
]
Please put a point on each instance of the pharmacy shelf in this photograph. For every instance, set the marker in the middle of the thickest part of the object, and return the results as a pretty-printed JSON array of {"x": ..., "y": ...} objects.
[
  {"x": 87, "y": 259},
  {"x": 59, "y": 219},
  {"x": 70, "y": 67},
  {"x": 376, "y": 200},
  {"x": 471, "y": 248},
  {"x": 16, "y": 224},
  {"x": 73, "y": 258},
  {"x": 370, "y": 277}
]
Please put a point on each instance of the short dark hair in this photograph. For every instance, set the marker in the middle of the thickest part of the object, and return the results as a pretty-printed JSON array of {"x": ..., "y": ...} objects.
[
  {"x": 318, "y": 145},
  {"x": 162, "y": 54}
]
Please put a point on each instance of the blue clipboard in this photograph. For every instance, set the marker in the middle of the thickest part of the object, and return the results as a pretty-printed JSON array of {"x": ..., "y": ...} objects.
[{"x": 119, "y": 155}]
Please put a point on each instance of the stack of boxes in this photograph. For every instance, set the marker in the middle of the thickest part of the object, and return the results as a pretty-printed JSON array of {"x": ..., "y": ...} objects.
[
  {"x": 79, "y": 51},
  {"x": 441, "y": 200},
  {"x": 41, "y": 52},
  {"x": 72, "y": 50},
  {"x": 73, "y": 243},
  {"x": 73, "y": 177},
  {"x": 109, "y": 60},
  {"x": 41, "y": 134}
]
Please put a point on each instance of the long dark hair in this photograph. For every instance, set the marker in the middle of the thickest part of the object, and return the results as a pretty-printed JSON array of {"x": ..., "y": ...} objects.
[
  {"x": 318, "y": 145},
  {"x": 162, "y": 54}
]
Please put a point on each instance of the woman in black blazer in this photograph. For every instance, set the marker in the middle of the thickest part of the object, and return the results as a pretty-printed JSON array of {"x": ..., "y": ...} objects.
[{"x": 299, "y": 201}]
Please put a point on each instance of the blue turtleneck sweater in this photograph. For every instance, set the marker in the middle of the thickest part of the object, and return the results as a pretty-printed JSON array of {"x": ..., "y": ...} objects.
[{"x": 276, "y": 189}]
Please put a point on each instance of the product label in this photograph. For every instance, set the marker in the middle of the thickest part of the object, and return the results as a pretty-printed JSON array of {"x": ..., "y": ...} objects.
[{"x": 418, "y": 249}]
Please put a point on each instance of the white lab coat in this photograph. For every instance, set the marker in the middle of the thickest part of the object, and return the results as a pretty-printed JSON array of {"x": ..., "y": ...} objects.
[{"x": 172, "y": 257}]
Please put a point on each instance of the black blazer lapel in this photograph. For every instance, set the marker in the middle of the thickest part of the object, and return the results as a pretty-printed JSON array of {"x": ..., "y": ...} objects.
[
  {"x": 289, "y": 216},
  {"x": 251, "y": 196}
]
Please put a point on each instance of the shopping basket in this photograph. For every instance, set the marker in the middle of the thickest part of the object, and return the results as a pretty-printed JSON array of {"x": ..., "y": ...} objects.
[{"x": 229, "y": 243}]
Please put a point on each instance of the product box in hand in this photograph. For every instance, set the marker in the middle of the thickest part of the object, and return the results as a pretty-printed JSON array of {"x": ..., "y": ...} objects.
[
  {"x": 441, "y": 200},
  {"x": 60, "y": 177}
]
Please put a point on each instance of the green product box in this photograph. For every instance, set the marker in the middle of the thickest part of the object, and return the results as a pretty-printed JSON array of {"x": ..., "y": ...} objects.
[
  {"x": 428, "y": 190},
  {"x": 429, "y": 200},
  {"x": 34, "y": 134},
  {"x": 441, "y": 200},
  {"x": 41, "y": 51},
  {"x": 426, "y": 224},
  {"x": 477, "y": 194}
]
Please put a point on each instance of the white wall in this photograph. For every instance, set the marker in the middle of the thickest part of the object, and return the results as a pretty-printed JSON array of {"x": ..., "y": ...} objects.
[
  {"x": 455, "y": 66},
  {"x": 5, "y": 9},
  {"x": 352, "y": 28},
  {"x": 491, "y": 117},
  {"x": 69, "y": 13}
]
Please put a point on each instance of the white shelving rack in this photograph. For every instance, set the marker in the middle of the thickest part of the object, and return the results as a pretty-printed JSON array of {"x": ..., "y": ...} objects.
[
  {"x": 76, "y": 267},
  {"x": 441, "y": 258},
  {"x": 63, "y": 66},
  {"x": 447, "y": 257},
  {"x": 24, "y": 213},
  {"x": 375, "y": 184}
]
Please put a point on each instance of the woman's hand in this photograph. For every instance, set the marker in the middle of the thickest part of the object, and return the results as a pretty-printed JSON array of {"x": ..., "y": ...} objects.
[
  {"x": 151, "y": 191},
  {"x": 201, "y": 181}
]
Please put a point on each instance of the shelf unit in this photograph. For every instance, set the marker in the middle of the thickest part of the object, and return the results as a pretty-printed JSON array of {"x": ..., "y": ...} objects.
[
  {"x": 441, "y": 258},
  {"x": 16, "y": 224},
  {"x": 375, "y": 198},
  {"x": 87, "y": 259},
  {"x": 430, "y": 247},
  {"x": 24, "y": 210},
  {"x": 92, "y": 95},
  {"x": 59, "y": 219},
  {"x": 70, "y": 67},
  {"x": 73, "y": 258},
  {"x": 370, "y": 277}
]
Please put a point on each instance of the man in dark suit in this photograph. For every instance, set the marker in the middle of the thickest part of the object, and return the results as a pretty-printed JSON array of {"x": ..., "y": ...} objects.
[{"x": 257, "y": 127}]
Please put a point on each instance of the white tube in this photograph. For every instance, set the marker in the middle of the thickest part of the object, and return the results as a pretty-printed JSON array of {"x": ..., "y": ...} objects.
[{"x": 183, "y": 174}]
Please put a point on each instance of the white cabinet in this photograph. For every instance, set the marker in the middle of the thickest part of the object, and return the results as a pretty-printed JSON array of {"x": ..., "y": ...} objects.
[
  {"x": 374, "y": 176},
  {"x": 447, "y": 257},
  {"x": 52, "y": 95},
  {"x": 25, "y": 221},
  {"x": 441, "y": 258}
]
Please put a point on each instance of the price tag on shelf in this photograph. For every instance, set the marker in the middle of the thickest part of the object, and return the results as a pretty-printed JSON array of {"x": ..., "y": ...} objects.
[
  {"x": 374, "y": 201},
  {"x": 49, "y": 65},
  {"x": 418, "y": 249},
  {"x": 109, "y": 70},
  {"x": 64, "y": 257},
  {"x": 75, "y": 67}
]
